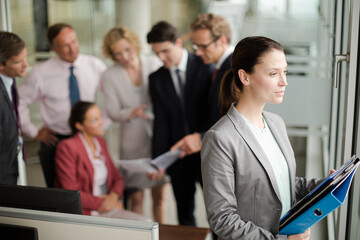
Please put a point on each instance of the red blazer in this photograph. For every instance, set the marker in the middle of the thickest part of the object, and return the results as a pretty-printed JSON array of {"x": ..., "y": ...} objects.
[{"x": 74, "y": 171}]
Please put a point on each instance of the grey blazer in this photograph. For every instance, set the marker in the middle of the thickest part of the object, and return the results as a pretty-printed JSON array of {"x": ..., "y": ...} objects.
[
  {"x": 120, "y": 101},
  {"x": 240, "y": 190}
]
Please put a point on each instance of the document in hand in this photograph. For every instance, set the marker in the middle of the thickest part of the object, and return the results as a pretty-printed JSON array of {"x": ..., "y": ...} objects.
[
  {"x": 135, "y": 171},
  {"x": 165, "y": 160},
  {"x": 146, "y": 165},
  {"x": 325, "y": 198},
  {"x": 141, "y": 165}
]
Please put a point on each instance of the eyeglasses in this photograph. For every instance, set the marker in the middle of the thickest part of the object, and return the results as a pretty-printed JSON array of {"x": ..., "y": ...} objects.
[{"x": 203, "y": 47}]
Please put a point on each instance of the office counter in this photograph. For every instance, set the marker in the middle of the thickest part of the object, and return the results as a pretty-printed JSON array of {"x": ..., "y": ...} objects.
[
  {"x": 179, "y": 232},
  {"x": 60, "y": 226}
]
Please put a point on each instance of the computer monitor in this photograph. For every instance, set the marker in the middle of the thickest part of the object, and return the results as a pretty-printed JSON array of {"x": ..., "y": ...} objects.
[
  {"x": 38, "y": 198},
  {"x": 18, "y": 232}
]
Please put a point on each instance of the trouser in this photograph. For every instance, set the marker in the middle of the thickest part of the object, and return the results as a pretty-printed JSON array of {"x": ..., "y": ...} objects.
[
  {"x": 47, "y": 160},
  {"x": 184, "y": 174},
  {"x": 9, "y": 179}
]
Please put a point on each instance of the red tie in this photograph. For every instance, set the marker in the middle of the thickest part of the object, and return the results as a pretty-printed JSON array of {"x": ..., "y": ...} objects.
[{"x": 214, "y": 75}]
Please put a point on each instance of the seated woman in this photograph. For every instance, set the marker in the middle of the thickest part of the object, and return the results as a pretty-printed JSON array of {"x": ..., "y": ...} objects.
[{"x": 83, "y": 163}]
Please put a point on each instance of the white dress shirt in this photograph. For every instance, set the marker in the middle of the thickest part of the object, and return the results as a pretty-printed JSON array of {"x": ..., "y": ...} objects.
[
  {"x": 223, "y": 57},
  {"x": 48, "y": 83},
  {"x": 182, "y": 68},
  {"x": 277, "y": 160},
  {"x": 100, "y": 169}
]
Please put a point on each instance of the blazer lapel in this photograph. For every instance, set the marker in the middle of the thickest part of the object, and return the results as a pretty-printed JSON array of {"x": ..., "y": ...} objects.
[
  {"x": 85, "y": 159},
  {"x": 5, "y": 93},
  {"x": 145, "y": 77},
  {"x": 169, "y": 87},
  {"x": 6, "y": 97},
  {"x": 127, "y": 85},
  {"x": 283, "y": 144},
  {"x": 190, "y": 72},
  {"x": 279, "y": 139},
  {"x": 245, "y": 132}
]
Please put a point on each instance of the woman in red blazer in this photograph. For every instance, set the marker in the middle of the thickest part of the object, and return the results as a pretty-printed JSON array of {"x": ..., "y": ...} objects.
[{"x": 83, "y": 163}]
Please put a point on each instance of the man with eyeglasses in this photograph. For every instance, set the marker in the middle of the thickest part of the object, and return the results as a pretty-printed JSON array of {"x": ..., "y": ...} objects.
[
  {"x": 178, "y": 92},
  {"x": 211, "y": 37}
]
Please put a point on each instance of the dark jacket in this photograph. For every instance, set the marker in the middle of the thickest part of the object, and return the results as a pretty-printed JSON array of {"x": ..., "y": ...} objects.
[
  {"x": 8, "y": 139},
  {"x": 169, "y": 124},
  {"x": 213, "y": 97}
]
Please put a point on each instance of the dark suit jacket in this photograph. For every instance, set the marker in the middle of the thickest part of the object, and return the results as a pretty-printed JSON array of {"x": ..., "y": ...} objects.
[
  {"x": 168, "y": 123},
  {"x": 8, "y": 139},
  {"x": 74, "y": 171},
  {"x": 213, "y": 98}
]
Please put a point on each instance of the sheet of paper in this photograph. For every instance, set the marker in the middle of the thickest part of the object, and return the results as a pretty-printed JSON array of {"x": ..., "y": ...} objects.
[
  {"x": 165, "y": 160},
  {"x": 141, "y": 165},
  {"x": 145, "y": 165}
]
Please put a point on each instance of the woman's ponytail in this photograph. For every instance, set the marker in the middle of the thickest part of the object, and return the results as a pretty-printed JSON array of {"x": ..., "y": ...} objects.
[
  {"x": 228, "y": 92},
  {"x": 245, "y": 56}
]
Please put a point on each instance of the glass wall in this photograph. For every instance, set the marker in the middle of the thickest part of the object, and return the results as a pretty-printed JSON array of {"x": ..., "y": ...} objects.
[
  {"x": 91, "y": 19},
  {"x": 311, "y": 31}
]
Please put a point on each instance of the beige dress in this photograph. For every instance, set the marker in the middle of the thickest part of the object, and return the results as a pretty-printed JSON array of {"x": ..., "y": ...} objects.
[{"x": 121, "y": 97}]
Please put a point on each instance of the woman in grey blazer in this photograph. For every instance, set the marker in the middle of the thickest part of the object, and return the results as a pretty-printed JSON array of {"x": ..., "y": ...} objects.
[
  {"x": 248, "y": 165},
  {"x": 127, "y": 101}
]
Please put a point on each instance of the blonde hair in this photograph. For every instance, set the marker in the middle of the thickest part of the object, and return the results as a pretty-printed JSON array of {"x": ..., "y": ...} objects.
[{"x": 115, "y": 35}]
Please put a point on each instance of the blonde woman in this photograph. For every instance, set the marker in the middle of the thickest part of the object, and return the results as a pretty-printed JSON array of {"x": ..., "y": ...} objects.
[{"x": 127, "y": 101}]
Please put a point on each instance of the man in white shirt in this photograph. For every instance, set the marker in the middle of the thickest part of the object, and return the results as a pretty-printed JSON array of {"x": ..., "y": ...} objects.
[
  {"x": 12, "y": 64},
  {"x": 54, "y": 83},
  {"x": 211, "y": 37}
]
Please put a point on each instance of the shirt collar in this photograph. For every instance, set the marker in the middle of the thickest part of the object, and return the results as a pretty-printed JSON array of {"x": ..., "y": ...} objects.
[
  {"x": 223, "y": 57},
  {"x": 183, "y": 62},
  {"x": 66, "y": 64},
  {"x": 87, "y": 147},
  {"x": 8, "y": 82}
]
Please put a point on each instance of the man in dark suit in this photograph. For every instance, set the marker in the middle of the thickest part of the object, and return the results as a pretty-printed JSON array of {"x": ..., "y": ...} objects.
[
  {"x": 179, "y": 93},
  {"x": 211, "y": 36},
  {"x": 12, "y": 64}
]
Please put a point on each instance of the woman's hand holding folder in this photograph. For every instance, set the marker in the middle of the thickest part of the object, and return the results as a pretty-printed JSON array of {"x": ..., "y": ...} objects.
[
  {"x": 301, "y": 236},
  {"x": 325, "y": 198},
  {"x": 332, "y": 171}
]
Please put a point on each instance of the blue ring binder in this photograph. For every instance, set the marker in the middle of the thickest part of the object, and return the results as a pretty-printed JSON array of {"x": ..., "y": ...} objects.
[
  {"x": 318, "y": 212},
  {"x": 322, "y": 206}
]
